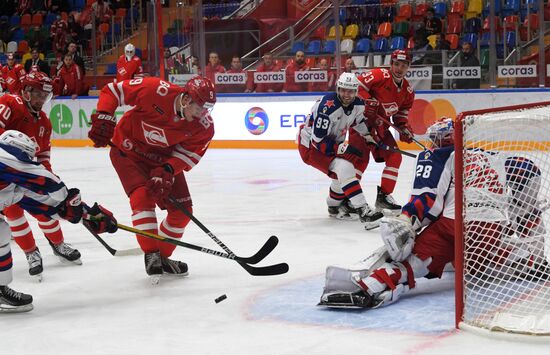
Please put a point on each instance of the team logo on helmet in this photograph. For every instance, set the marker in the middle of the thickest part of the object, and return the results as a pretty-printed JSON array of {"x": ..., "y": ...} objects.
[{"x": 256, "y": 121}]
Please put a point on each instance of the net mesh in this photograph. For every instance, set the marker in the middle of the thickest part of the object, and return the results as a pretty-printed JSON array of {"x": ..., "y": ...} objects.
[{"x": 506, "y": 198}]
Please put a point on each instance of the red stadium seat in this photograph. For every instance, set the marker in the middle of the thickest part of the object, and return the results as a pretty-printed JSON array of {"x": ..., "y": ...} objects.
[
  {"x": 384, "y": 29},
  {"x": 26, "y": 21},
  {"x": 420, "y": 12},
  {"x": 511, "y": 22},
  {"x": 37, "y": 20},
  {"x": 454, "y": 23},
  {"x": 405, "y": 11},
  {"x": 457, "y": 7},
  {"x": 453, "y": 40}
]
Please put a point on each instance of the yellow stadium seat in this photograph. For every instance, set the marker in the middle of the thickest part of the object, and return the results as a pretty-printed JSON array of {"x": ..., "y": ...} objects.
[{"x": 332, "y": 32}]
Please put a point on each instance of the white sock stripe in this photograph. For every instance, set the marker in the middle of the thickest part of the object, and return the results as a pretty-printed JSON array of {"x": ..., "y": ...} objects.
[
  {"x": 389, "y": 168},
  {"x": 51, "y": 230},
  {"x": 389, "y": 177},
  {"x": 17, "y": 222},
  {"x": 143, "y": 214},
  {"x": 21, "y": 233},
  {"x": 172, "y": 229},
  {"x": 47, "y": 223},
  {"x": 146, "y": 226}
]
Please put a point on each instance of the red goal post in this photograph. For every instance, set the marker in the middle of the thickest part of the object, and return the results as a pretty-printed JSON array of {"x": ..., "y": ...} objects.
[{"x": 502, "y": 243}]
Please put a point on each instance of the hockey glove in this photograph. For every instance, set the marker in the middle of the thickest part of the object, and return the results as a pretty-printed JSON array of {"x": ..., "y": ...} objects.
[
  {"x": 160, "y": 183},
  {"x": 371, "y": 108},
  {"x": 103, "y": 129},
  {"x": 99, "y": 219},
  {"x": 71, "y": 208},
  {"x": 349, "y": 153},
  {"x": 405, "y": 131}
]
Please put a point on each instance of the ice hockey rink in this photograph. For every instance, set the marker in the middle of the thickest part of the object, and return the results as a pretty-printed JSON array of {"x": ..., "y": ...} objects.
[{"x": 108, "y": 305}]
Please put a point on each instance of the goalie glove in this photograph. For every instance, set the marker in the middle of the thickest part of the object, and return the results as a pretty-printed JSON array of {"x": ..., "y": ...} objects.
[{"x": 398, "y": 236}]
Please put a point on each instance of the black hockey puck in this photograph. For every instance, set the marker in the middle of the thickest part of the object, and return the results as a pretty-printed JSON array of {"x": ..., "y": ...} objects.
[{"x": 221, "y": 298}]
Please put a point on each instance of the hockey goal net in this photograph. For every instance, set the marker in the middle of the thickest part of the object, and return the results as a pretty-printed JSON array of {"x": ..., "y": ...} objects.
[{"x": 502, "y": 256}]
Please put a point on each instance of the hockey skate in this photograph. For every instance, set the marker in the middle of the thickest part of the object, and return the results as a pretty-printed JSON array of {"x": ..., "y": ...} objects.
[
  {"x": 153, "y": 266},
  {"x": 13, "y": 302},
  {"x": 386, "y": 202},
  {"x": 344, "y": 211},
  {"x": 174, "y": 267},
  {"x": 370, "y": 217},
  {"x": 357, "y": 299},
  {"x": 35, "y": 263},
  {"x": 66, "y": 253}
]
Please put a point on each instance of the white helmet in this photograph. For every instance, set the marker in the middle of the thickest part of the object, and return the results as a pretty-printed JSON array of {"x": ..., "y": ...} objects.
[
  {"x": 441, "y": 133},
  {"x": 129, "y": 51},
  {"x": 348, "y": 81},
  {"x": 20, "y": 141}
]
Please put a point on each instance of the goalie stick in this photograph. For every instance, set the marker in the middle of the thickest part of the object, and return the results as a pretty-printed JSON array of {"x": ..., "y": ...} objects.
[
  {"x": 276, "y": 269},
  {"x": 111, "y": 250},
  {"x": 264, "y": 251}
]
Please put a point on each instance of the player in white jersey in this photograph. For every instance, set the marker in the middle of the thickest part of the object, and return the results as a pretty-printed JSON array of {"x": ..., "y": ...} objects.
[
  {"x": 322, "y": 145},
  {"x": 24, "y": 181}
]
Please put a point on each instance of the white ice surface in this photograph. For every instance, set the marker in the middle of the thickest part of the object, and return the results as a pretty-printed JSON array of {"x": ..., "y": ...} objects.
[{"x": 107, "y": 305}]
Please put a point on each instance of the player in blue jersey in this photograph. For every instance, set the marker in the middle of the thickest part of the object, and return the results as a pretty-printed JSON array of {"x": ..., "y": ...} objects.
[
  {"x": 322, "y": 145},
  {"x": 29, "y": 183}
]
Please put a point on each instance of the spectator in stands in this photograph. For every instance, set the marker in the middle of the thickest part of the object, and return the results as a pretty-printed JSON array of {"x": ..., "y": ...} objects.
[
  {"x": 170, "y": 64},
  {"x": 9, "y": 7},
  {"x": 441, "y": 43},
  {"x": 102, "y": 11},
  {"x": 72, "y": 50},
  {"x": 213, "y": 67},
  {"x": 129, "y": 64},
  {"x": 298, "y": 64},
  {"x": 421, "y": 47},
  {"x": 467, "y": 58},
  {"x": 37, "y": 38},
  {"x": 56, "y": 6},
  {"x": 236, "y": 67},
  {"x": 75, "y": 30},
  {"x": 268, "y": 65},
  {"x": 432, "y": 24},
  {"x": 349, "y": 66},
  {"x": 24, "y": 7},
  {"x": 69, "y": 81},
  {"x": 194, "y": 65},
  {"x": 329, "y": 84},
  {"x": 6, "y": 31},
  {"x": 36, "y": 64},
  {"x": 38, "y": 6},
  {"x": 58, "y": 34},
  {"x": 13, "y": 74}
]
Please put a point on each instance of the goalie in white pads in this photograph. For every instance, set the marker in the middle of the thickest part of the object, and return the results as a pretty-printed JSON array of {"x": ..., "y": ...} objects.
[{"x": 322, "y": 145}]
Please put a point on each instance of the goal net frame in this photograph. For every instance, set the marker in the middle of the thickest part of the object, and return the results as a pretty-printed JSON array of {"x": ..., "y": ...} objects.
[{"x": 459, "y": 263}]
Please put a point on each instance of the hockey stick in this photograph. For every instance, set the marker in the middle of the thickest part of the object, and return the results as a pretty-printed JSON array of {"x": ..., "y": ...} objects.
[
  {"x": 111, "y": 250},
  {"x": 264, "y": 251},
  {"x": 397, "y": 150},
  {"x": 276, "y": 269},
  {"x": 400, "y": 131}
]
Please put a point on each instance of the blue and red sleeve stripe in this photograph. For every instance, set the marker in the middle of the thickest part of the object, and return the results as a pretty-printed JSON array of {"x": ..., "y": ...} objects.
[{"x": 419, "y": 206}]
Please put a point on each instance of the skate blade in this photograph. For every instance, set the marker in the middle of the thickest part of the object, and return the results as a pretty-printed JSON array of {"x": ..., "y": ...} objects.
[
  {"x": 175, "y": 275},
  {"x": 345, "y": 217},
  {"x": 65, "y": 261},
  {"x": 8, "y": 308},
  {"x": 37, "y": 277},
  {"x": 371, "y": 225}
]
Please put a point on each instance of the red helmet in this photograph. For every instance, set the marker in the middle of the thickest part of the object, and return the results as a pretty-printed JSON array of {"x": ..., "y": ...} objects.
[
  {"x": 202, "y": 91},
  {"x": 39, "y": 81},
  {"x": 401, "y": 55}
]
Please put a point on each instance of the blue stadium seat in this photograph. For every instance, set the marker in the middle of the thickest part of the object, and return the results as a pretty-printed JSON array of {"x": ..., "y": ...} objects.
[
  {"x": 15, "y": 20},
  {"x": 313, "y": 47},
  {"x": 381, "y": 45},
  {"x": 111, "y": 69},
  {"x": 78, "y": 5},
  {"x": 440, "y": 9},
  {"x": 510, "y": 39},
  {"x": 473, "y": 25},
  {"x": 470, "y": 37},
  {"x": 18, "y": 35},
  {"x": 397, "y": 42},
  {"x": 363, "y": 45},
  {"x": 139, "y": 52},
  {"x": 511, "y": 7},
  {"x": 487, "y": 9},
  {"x": 50, "y": 18},
  {"x": 297, "y": 46},
  {"x": 485, "y": 39},
  {"x": 329, "y": 47}
]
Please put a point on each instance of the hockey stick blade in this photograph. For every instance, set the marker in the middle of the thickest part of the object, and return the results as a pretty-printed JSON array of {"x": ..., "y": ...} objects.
[
  {"x": 264, "y": 251},
  {"x": 111, "y": 250},
  {"x": 271, "y": 270}
]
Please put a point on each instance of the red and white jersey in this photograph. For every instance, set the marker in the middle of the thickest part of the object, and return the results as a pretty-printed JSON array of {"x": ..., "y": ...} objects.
[
  {"x": 70, "y": 81},
  {"x": 14, "y": 114},
  {"x": 128, "y": 69},
  {"x": 13, "y": 77},
  {"x": 395, "y": 100},
  {"x": 153, "y": 131}
]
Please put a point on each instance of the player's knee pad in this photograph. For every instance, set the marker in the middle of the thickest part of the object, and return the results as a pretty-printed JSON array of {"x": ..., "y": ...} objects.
[
  {"x": 140, "y": 200},
  {"x": 393, "y": 160},
  {"x": 13, "y": 212},
  {"x": 5, "y": 233},
  {"x": 343, "y": 169}
]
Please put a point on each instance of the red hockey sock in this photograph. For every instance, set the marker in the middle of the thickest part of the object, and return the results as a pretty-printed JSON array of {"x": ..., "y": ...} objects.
[
  {"x": 20, "y": 229},
  {"x": 390, "y": 173},
  {"x": 173, "y": 226},
  {"x": 144, "y": 218},
  {"x": 51, "y": 229}
]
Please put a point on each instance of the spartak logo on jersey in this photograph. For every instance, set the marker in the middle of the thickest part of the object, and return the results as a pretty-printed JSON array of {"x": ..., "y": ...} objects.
[
  {"x": 154, "y": 135},
  {"x": 390, "y": 108}
]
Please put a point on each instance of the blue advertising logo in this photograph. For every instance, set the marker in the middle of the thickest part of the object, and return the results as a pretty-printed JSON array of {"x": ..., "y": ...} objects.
[{"x": 256, "y": 121}]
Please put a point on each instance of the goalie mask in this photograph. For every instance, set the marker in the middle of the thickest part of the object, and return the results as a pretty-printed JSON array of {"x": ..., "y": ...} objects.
[
  {"x": 441, "y": 133},
  {"x": 519, "y": 172}
]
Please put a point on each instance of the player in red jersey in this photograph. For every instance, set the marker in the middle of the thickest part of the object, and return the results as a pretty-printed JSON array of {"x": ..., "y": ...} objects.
[
  {"x": 388, "y": 94},
  {"x": 13, "y": 74},
  {"x": 24, "y": 114},
  {"x": 129, "y": 64},
  {"x": 165, "y": 134}
]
